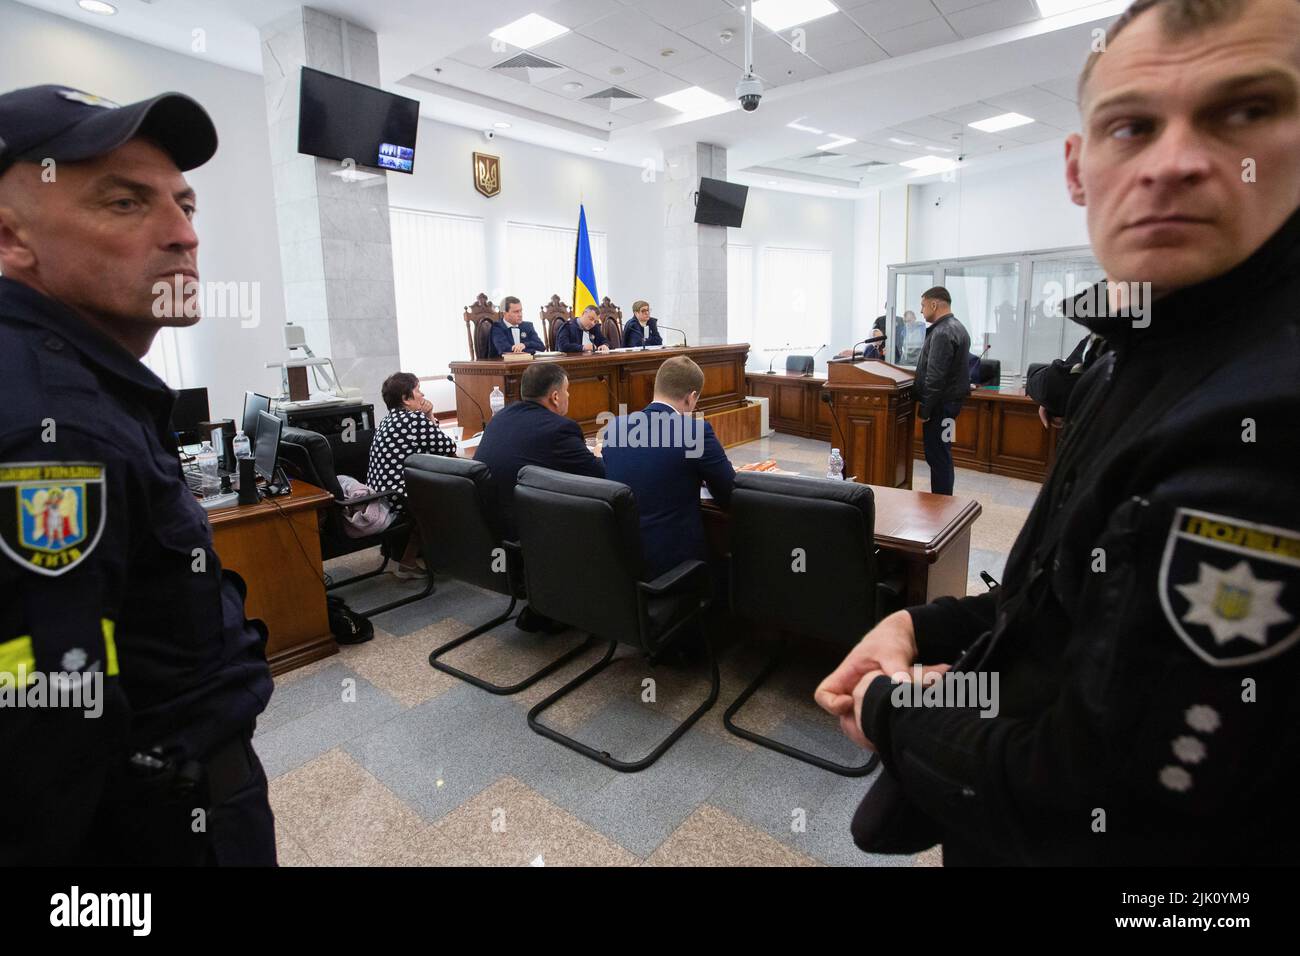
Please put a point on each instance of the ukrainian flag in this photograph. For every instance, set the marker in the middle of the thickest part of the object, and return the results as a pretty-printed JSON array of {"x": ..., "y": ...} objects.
[{"x": 584, "y": 272}]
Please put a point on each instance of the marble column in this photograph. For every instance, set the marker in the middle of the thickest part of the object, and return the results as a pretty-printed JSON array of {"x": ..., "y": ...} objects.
[
  {"x": 335, "y": 243},
  {"x": 695, "y": 257}
]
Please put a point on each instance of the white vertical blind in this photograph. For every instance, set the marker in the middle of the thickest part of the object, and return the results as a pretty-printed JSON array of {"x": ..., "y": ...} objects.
[
  {"x": 740, "y": 293},
  {"x": 795, "y": 297},
  {"x": 164, "y": 358},
  {"x": 439, "y": 265},
  {"x": 539, "y": 264}
]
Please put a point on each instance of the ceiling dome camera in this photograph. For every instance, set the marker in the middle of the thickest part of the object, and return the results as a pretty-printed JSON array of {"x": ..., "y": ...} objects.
[{"x": 749, "y": 91}]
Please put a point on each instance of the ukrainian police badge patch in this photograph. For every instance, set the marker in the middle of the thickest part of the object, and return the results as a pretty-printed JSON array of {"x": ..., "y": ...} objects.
[
  {"x": 1230, "y": 588},
  {"x": 51, "y": 513}
]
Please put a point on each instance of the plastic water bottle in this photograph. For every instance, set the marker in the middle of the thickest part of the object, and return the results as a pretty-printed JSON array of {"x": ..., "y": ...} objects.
[
  {"x": 497, "y": 400},
  {"x": 835, "y": 465},
  {"x": 243, "y": 448},
  {"x": 207, "y": 459}
]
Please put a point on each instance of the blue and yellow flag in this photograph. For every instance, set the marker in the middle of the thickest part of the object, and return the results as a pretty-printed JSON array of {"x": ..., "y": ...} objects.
[{"x": 584, "y": 272}]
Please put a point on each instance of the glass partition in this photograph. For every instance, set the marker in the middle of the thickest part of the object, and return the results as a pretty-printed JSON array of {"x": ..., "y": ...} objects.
[
  {"x": 1010, "y": 304},
  {"x": 986, "y": 299},
  {"x": 907, "y": 333},
  {"x": 1051, "y": 335}
]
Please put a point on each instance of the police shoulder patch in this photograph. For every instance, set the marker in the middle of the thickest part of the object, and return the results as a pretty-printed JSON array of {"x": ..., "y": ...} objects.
[
  {"x": 51, "y": 513},
  {"x": 1231, "y": 588}
]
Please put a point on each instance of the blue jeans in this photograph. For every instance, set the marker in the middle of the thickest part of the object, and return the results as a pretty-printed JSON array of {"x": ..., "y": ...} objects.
[{"x": 938, "y": 453}]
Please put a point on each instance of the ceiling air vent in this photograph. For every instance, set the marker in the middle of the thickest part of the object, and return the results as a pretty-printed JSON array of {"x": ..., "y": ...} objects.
[
  {"x": 528, "y": 67},
  {"x": 613, "y": 99}
]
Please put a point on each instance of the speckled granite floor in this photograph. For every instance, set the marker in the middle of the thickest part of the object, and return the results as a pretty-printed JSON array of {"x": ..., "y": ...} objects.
[{"x": 375, "y": 758}]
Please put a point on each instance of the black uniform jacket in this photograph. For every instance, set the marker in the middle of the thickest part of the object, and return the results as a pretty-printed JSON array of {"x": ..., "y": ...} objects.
[
  {"x": 120, "y": 580},
  {"x": 1145, "y": 633}
]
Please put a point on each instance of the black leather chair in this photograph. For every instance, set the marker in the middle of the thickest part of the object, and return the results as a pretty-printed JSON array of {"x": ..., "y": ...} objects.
[
  {"x": 567, "y": 521},
  {"x": 990, "y": 371},
  {"x": 837, "y": 596},
  {"x": 452, "y": 500},
  {"x": 308, "y": 456},
  {"x": 799, "y": 364}
]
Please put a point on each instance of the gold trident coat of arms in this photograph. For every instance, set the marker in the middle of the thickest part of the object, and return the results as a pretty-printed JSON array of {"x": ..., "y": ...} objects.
[{"x": 487, "y": 174}]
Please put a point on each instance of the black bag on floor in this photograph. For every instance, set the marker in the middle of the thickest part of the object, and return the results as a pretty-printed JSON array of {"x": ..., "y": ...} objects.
[{"x": 347, "y": 625}]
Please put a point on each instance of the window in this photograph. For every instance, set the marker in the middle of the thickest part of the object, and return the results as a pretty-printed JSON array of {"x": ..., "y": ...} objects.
[
  {"x": 539, "y": 264},
  {"x": 164, "y": 358},
  {"x": 439, "y": 265},
  {"x": 740, "y": 293},
  {"x": 795, "y": 297}
]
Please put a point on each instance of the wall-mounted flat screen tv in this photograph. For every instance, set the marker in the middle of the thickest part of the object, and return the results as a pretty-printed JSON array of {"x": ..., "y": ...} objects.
[
  {"x": 340, "y": 119},
  {"x": 720, "y": 203}
]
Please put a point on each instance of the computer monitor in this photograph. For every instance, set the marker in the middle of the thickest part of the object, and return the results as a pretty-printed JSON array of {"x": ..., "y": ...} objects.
[
  {"x": 190, "y": 410},
  {"x": 254, "y": 404},
  {"x": 268, "y": 444}
]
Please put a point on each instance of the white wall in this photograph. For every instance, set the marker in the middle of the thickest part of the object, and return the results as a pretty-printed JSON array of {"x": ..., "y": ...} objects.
[
  {"x": 1011, "y": 209},
  {"x": 541, "y": 186},
  {"x": 236, "y": 218},
  {"x": 796, "y": 221}
]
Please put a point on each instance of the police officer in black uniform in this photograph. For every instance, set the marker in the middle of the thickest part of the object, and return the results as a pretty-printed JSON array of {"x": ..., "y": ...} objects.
[
  {"x": 1145, "y": 634},
  {"x": 106, "y": 561}
]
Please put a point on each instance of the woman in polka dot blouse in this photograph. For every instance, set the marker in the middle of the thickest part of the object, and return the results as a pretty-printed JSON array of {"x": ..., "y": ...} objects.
[{"x": 409, "y": 429}]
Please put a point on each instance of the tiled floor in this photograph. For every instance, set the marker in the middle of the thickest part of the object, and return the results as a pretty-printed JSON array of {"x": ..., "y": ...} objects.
[{"x": 375, "y": 758}]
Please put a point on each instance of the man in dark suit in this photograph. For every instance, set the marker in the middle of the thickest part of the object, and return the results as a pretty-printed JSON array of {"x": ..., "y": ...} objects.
[
  {"x": 641, "y": 329},
  {"x": 581, "y": 334},
  {"x": 534, "y": 431},
  {"x": 511, "y": 333},
  {"x": 663, "y": 454}
]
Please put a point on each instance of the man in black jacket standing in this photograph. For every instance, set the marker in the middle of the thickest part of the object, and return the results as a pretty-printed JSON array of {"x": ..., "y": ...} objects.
[
  {"x": 943, "y": 384},
  {"x": 1144, "y": 639}
]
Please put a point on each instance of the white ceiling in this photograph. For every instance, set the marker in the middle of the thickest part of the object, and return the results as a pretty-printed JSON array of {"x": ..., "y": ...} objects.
[{"x": 917, "y": 70}]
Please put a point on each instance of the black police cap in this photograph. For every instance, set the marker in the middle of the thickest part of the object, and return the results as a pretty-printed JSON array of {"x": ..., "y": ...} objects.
[{"x": 68, "y": 125}]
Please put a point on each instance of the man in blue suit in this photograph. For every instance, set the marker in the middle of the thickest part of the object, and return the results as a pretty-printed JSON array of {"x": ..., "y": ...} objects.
[
  {"x": 663, "y": 454},
  {"x": 511, "y": 333},
  {"x": 581, "y": 334},
  {"x": 641, "y": 329}
]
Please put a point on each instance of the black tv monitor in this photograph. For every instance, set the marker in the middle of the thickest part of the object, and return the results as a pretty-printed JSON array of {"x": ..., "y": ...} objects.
[
  {"x": 340, "y": 119},
  {"x": 720, "y": 203},
  {"x": 190, "y": 410},
  {"x": 268, "y": 444},
  {"x": 253, "y": 404}
]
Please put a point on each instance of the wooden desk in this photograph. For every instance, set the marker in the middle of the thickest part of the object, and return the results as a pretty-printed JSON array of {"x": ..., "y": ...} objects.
[
  {"x": 602, "y": 381},
  {"x": 794, "y": 404},
  {"x": 265, "y": 544},
  {"x": 999, "y": 431},
  {"x": 927, "y": 536}
]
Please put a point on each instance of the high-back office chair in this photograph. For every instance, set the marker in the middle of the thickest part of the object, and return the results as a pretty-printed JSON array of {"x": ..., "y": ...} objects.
[
  {"x": 836, "y": 597},
  {"x": 990, "y": 371},
  {"x": 569, "y": 521},
  {"x": 452, "y": 499},
  {"x": 799, "y": 364},
  {"x": 479, "y": 317},
  {"x": 554, "y": 314},
  {"x": 611, "y": 323},
  {"x": 307, "y": 455}
]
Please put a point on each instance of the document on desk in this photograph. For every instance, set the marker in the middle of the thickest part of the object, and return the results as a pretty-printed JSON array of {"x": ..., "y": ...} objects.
[{"x": 468, "y": 443}]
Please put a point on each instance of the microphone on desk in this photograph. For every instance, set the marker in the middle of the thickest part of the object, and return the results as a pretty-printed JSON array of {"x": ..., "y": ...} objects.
[
  {"x": 813, "y": 357},
  {"x": 878, "y": 340},
  {"x": 671, "y": 329},
  {"x": 463, "y": 391},
  {"x": 775, "y": 353}
]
